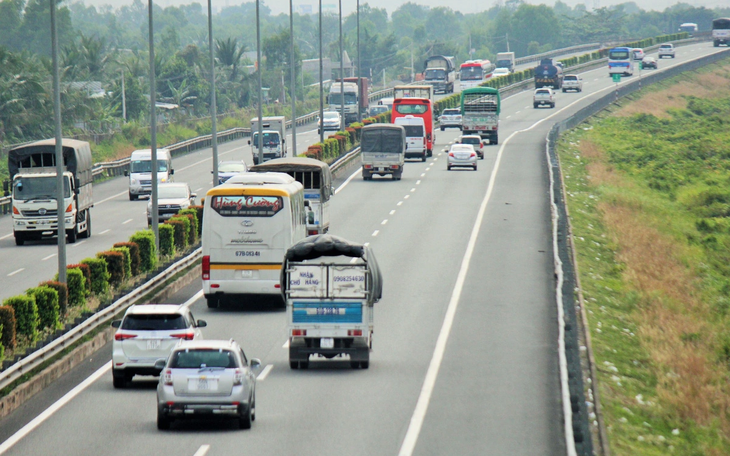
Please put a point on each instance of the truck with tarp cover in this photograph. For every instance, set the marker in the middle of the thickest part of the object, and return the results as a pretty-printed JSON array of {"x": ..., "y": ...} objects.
[
  {"x": 480, "y": 107},
  {"x": 316, "y": 177},
  {"x": 330, "y": 286},
  {"x": 383, "y": 150},
  {"x": 32, "y": 169}
]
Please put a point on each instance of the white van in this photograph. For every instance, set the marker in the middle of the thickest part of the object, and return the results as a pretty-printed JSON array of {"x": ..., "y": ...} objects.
[
  {"x": 416, "y": 146},
  {"x": 140, "y": 171},
  {"x": 248, "y": 224}
]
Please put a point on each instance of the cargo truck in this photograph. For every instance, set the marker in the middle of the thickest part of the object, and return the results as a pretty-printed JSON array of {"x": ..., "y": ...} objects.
[
  {"x": 32, "y": 169},
  {"x": 413, "y": 91},
  {"x": 274, "y": 138},
  {"x": 330, "y": 286},
  {"x": 506, "y": 60},
  {"x": 480, "y": 108},
  {"x": 440, "y": 72},
  {"x": 334, "y": 100}
]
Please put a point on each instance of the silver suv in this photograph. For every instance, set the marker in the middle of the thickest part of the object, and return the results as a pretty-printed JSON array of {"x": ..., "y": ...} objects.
[
  {"x": 207, "y": 378},
  {"x": 146, "y": 334},
  {"x": 449, "y": 118},
  {"x": 666, "y": 50}
]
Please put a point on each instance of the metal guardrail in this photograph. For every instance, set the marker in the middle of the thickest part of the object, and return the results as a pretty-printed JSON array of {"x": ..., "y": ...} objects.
[
  {"x": 554, "y": 52},
  {"x": 38, "y": 357}
]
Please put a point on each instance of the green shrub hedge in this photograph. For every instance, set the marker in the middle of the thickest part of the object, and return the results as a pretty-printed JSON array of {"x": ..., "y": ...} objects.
[
  {"x": 147, "y": 254},
  {"x": 26, "y": 314},
  {"x": 99, "y": 275},
  {"x": 76, "y": 283},
  {"x": 46, "y": 300},
  {"x": 181, "y": 236},
  {"x": 190, "y": 229},
  {"x": 127, "y": 261},
  {"x": 7, "y": 319},
  {"x": 87, "y": 274},
  {"x": 134, "y": 260},
  {"x": 199, "y": 214},
  {"x": 115, "y": 266},
  {"x": 62, "y": 291},
  {"x": 167, "y": 239},
  {"x": 194, "y": 221}
]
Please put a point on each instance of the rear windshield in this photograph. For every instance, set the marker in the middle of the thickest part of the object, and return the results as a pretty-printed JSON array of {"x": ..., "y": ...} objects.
[
  {"x": 665, "y": 46},
  {"x": 413, "y": 130},
  {"x": 470, "y": 141},
  {"x": 387, "y": 141},
  {"x": 451, "y": 112},
  {"x": 571, "y": 78},
  {"x": 199, "y": 358},
  {"x": 411, "y": 108},
  {"x": 248, "y": 206},
  {"x": 154, "y": 322}
]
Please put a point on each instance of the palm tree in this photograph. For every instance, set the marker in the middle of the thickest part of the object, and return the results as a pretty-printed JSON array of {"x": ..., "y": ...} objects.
[{"x": 229, "y": 54}]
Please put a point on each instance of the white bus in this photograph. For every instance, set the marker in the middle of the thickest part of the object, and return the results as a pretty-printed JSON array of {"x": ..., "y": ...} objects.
[
  {"x": 621, "y": 61},
  {"x": 248, "y": 224}
]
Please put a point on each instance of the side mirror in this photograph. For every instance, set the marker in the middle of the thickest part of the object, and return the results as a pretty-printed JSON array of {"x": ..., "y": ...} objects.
[
  {"x": 201, "y": 323},
  {"x": 306, "y": 203},
  {"x": 160, "y": 363},
  {"x": 116, "y": 323},
  {"x": 126, "y": 172},
  {"x": 193, "y": 195},
  {"x": 254, "y": 363},
  {"x": 249, "y": 142}
]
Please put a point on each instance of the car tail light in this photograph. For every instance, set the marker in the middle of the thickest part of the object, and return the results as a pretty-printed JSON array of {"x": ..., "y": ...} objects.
[
  {"x": 473, "y": 155},
  {"x": 16, "y": 211},
  {"x": 124, "y": 336},
  {"x": 451, "y": 154},
  {"x": 167, "y": 378},
  {"x": 367, "y": 166},
  {"x": 395, "y": 167},
  {"x": 185, "y": 336},
  {"x": 354, "y": 332},
  {"x": 70, "y": 208},
  {"x": 311, "y": 232},
  {"x": 206, "y": 267},
  {"x": 238, "y": 377},
  {"x": 299, "y": 332}
]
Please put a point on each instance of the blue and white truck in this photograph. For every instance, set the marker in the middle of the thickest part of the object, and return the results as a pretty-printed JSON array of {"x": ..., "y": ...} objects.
[{"x": 330, "y": 286}]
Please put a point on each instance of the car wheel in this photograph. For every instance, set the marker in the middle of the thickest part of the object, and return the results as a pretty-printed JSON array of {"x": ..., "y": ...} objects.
[
  {"x": 119, "y": 380},
  {"x": 423, "y": 159},
  {"x": 429, "y": 153},
  {"x": 448, "y": 167},
  {"x": 534, "y": 105},
  {"x": 442, "y": 128},
  {"x": 163, "y": 422},
  {"x": 475, "y": 166},
  {"x": 294, "y": 365},
  {"x": 244, "y": 422},
  {"x": 253, "y": 407},
  {"x": 133, "y": 197}
]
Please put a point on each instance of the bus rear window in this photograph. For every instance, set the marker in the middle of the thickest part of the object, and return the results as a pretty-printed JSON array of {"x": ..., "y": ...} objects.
[
  {"x": 411, "y": 108},
  {"x": 247, "y": 205}
]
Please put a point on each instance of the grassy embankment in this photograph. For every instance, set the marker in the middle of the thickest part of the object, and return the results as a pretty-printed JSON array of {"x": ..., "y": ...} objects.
[{"x": 649, "y": 196}]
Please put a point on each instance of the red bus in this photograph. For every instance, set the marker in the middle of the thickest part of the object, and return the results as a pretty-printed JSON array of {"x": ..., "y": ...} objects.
[{"x": 416, "y": 107}]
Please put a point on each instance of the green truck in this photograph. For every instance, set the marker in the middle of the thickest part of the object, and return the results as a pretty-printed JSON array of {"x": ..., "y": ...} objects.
[{"x": 480, "y": 108}]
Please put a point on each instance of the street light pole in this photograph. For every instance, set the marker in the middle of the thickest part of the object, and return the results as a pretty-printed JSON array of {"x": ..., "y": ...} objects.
[
  {"x": 293, "y": 88},
  {"x": 359, "y": 71},
  {"x": 213, "y": 109},
  {"x": 259, "y": 110},
  {"x": 153, "y": 133},
  {"x": 321, "y": 80},
  {"x": 342, "y": 78},
  {"x": 61, "y": 211}
]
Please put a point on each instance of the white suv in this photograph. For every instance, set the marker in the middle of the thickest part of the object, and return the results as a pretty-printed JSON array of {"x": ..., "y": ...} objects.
[
  {"x": 146, "y": 334},
  {"x": 666, "y": 50}
]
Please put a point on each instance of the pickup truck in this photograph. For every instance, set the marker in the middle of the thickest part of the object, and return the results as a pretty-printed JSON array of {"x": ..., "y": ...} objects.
[
  {"x": 572, "y": 82},
  {"x": 543, "y": 96},
  {"x": 450, "y": 118}
]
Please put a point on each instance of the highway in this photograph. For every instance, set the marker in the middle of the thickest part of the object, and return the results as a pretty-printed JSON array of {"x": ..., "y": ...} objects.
[{"x": 465, "y": 353}]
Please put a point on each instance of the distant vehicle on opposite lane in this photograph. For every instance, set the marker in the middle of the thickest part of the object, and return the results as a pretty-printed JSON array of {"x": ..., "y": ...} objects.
[
  {"x": 379, "y": 109},
  {"x": 172, "y": 197},
  {"x": 228, "y": 169},
  {"x": 461, "y": 156},
  {"x": 500, "y": 72},
  {"x": 649, "y": 62},
  {"x": 207, "y": 378}
]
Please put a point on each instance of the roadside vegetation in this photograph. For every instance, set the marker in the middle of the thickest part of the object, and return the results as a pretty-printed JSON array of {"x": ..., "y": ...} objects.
[{"x": 648, "y": 190}]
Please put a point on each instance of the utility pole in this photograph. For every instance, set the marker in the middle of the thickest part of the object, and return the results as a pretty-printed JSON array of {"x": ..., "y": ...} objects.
[
  {"x": 321, "y": 80},
  {"x": 412, "y": 70},
  {"x": 293, "y": 66},
  {"x": 124, "y": 99},
  {"x": 359, "y": 72},
  {"x": 60, "y": 210},
  {"x": 506, "y": 38},
  {"x": 213, "y": 109},
  {"x": 261, "y": 96},
  {"x": 342, "y": 78},
  {"x": 153, "y": 134}
]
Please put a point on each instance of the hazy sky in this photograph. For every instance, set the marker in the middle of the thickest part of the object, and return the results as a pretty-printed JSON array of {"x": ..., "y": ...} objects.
[{"x": 465, "y": 6}]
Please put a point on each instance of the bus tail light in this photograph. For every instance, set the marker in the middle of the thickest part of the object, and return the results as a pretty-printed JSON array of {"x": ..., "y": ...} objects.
[
  {"x": 354, "y": 332},
  {"x": 299, "y": 332},
  {"x": 206, "y": 267},
  {"x": 395, "y": 167}
]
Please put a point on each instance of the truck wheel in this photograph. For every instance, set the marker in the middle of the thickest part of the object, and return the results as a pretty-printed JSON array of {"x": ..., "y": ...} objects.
[
  {"x": 87, "y": 233},
  {"x": 294, "y": 365},
  {"x": 71, "y": 235},
  {"x": 442, "y": 128},
  {"x": 133, "y": 197},
  {"x": 535, "y": 105},
  {"x": 304, "y": 364},
  {"x": 355, "y": 364},
  {"x": 496, "y": 140},
  {"x": 429, "y": 153},
  {"x": 364, "y": 364},
  {"x": 19, "y": 238}
]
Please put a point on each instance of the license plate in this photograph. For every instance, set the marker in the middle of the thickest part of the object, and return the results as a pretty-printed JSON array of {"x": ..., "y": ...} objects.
[
  {"x": 327, "y": 342},
  {"x": 153, "y": 344},
  {"x": 202, "y": 384},
  {"x": 247, "y": 274}
]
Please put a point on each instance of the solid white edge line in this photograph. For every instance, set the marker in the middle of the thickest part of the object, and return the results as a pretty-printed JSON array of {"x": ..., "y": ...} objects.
[
  {"x": 193, "y": 298},
  {"x": 202, "y": 451},
  {"x": 419, "y": 414},
  {"x": 264, "y": 373},
  {"x": 347, "y": 181},
  {"x": 47, "y": 413}
]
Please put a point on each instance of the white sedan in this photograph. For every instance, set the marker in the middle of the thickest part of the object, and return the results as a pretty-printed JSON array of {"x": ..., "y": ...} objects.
[{"x": 461, "y": 156}]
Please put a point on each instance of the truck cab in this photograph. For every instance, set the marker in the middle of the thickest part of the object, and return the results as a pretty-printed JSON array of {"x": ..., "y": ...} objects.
[
  {"x": 383, "y": 148},
  {"x": 274, "y": 138}
]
